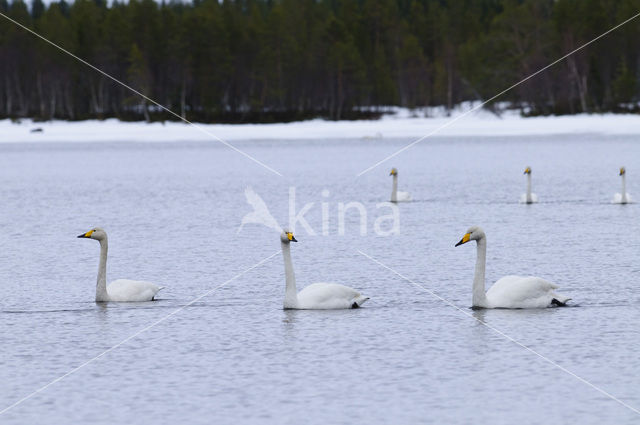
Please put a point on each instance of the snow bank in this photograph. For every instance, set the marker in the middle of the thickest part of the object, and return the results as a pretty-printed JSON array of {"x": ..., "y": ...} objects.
[{"x": 401, "y": 123}]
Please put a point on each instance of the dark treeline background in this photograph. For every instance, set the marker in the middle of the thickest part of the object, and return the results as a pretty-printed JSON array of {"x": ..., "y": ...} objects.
[{"x": 279, "y": 60}]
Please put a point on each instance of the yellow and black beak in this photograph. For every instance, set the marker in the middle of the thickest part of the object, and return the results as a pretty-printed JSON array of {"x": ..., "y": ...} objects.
[
  {"x": 86, "y": 235},
  {"x": 464, "y": 239},
  {"x": 291, "y": 237},
  {"x": 622, "y": 171},
  {"x": 527, "y": 170},
  {"x": 393, "y": 172}
]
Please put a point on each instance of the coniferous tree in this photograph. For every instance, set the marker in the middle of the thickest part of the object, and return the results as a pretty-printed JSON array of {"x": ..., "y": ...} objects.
[{"x": 278, "y": 60}]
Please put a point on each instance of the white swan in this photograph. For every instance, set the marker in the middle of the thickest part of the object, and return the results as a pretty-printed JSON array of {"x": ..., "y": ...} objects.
[
  {"x": 395, "y": 195},
  {"x": 317, "y": 296},
  {"x": 120, "y": 290},
  {"x": 623, "y": 197},
  {"x": 528, "y": 198},
  {"x": 509, "y": 291}
]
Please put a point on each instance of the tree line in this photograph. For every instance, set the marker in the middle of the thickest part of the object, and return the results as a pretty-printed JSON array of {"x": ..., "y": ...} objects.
[{"x": 281, "y": 60}]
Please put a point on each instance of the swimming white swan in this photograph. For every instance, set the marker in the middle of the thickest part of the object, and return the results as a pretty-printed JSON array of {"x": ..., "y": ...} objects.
[
  {"x": 395, "y": 195},
  {"x": 528, "y": 198},
  {"x": 120, "y": 290},
  {"x": 317, "y": 296},
  {"x": 623, "y": 197},
  {"x": 509, "y": 291}
]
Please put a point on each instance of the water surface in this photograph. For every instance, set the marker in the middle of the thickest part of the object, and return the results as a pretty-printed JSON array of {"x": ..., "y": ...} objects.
[{"x": 172, "y": 212}]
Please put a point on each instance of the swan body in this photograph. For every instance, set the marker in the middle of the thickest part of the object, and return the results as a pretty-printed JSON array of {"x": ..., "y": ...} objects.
[
  {"x": 509, "y": 291},
  {"x": 528, "y": 198},
  {"x": 523, "y": 292},
  {"x": 317, "y": 296},
  {"x": 395, "y": 195},
  {"x": 619, "y": 198},
  {"x": 623, "y": 197},
  {"x": 328, "y": 296},
  {"x": 125, "y": 290},
  {"x": 121, "y": 290}
]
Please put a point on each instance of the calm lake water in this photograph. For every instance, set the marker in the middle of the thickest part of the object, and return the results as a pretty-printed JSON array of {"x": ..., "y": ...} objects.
[{"x": 172, "y": 212}]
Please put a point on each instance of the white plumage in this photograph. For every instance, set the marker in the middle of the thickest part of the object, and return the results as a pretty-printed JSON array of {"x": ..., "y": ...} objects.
[
  {"x": 125, "y": 290},
  {"x": 121, "y": 290},
  {"x": 523, "y": 292},
  {"x": 509, "y": 291},
  {"x": 317, "y": 296},
  {"x": 623, "y": 197},
  {"x": 529, "y": 197},
  {"x": 327, "y": 296},
  {"x": 397, "y": 196}
]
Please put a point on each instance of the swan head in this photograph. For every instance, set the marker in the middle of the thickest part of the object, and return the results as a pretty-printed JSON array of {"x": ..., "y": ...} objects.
[
  {"x": 527, "y": 170},
  {"x": 286, "y": 236},
  {"x": 474, "y": 233},
  {"x": 622, "y": 171},
  {"x": 96, "y": 233},
  {"x": 393, "y": 172}
]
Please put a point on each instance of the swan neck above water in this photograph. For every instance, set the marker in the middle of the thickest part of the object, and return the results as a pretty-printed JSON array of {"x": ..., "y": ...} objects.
[
  {"x": 529, "y": 198},
  {"x": 101, "y": 285},
  {"x": 394, "y": 191},
  {"x": 624, "y": 189},
  {"x": 479, "y": 295},
  {"x": 291, "y": 293}
]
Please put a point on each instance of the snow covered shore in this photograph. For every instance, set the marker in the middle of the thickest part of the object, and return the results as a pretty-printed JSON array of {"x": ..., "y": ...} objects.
[{"x": 402, "y": 124}]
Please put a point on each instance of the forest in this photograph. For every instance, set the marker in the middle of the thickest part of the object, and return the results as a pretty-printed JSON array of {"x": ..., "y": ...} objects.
[{"x": 284, "y": 60}]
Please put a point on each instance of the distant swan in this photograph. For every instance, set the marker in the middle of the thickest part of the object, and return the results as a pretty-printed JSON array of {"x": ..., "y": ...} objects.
[
  {"x": 528, "y": 198},
  {"x": 317, "y": 296},
  {"x": 509, "y": 291},
  {"x": 395, "y": 195},
  {"x": 623, "y": 197},
  {"x": 120, "y": 290}
]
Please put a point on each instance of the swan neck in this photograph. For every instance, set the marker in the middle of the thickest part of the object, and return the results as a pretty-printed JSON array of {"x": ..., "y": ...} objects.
[
  {"x": 290, "y": 293},
  {"x": 101, "y": 285},
  {"x": 624, "y": 188},
  {"x": 479, "y": 295},
  {"x": 394, "y": 190},
  {"x": 529, "y": 200}
]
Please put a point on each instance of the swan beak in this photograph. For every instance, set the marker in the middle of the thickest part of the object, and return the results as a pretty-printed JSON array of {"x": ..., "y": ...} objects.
[
  {"x": 291, "y": 237},
  {"x": 622, "y": 171},
  {"x": 527, "y": 170},
  {"x": 86, "y": 235},
  {"x": 464, "y": 239}
]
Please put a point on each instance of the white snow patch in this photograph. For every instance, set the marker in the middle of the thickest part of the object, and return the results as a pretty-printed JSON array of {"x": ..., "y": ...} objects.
[{"x": 397, "y": 123}]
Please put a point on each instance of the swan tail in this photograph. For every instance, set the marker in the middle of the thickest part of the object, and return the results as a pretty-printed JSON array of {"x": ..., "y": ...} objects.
[
  {"x": 559, "y": 300},
  {"x": 160, "y": 288},
  {"x": 358, "y": 301}
]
